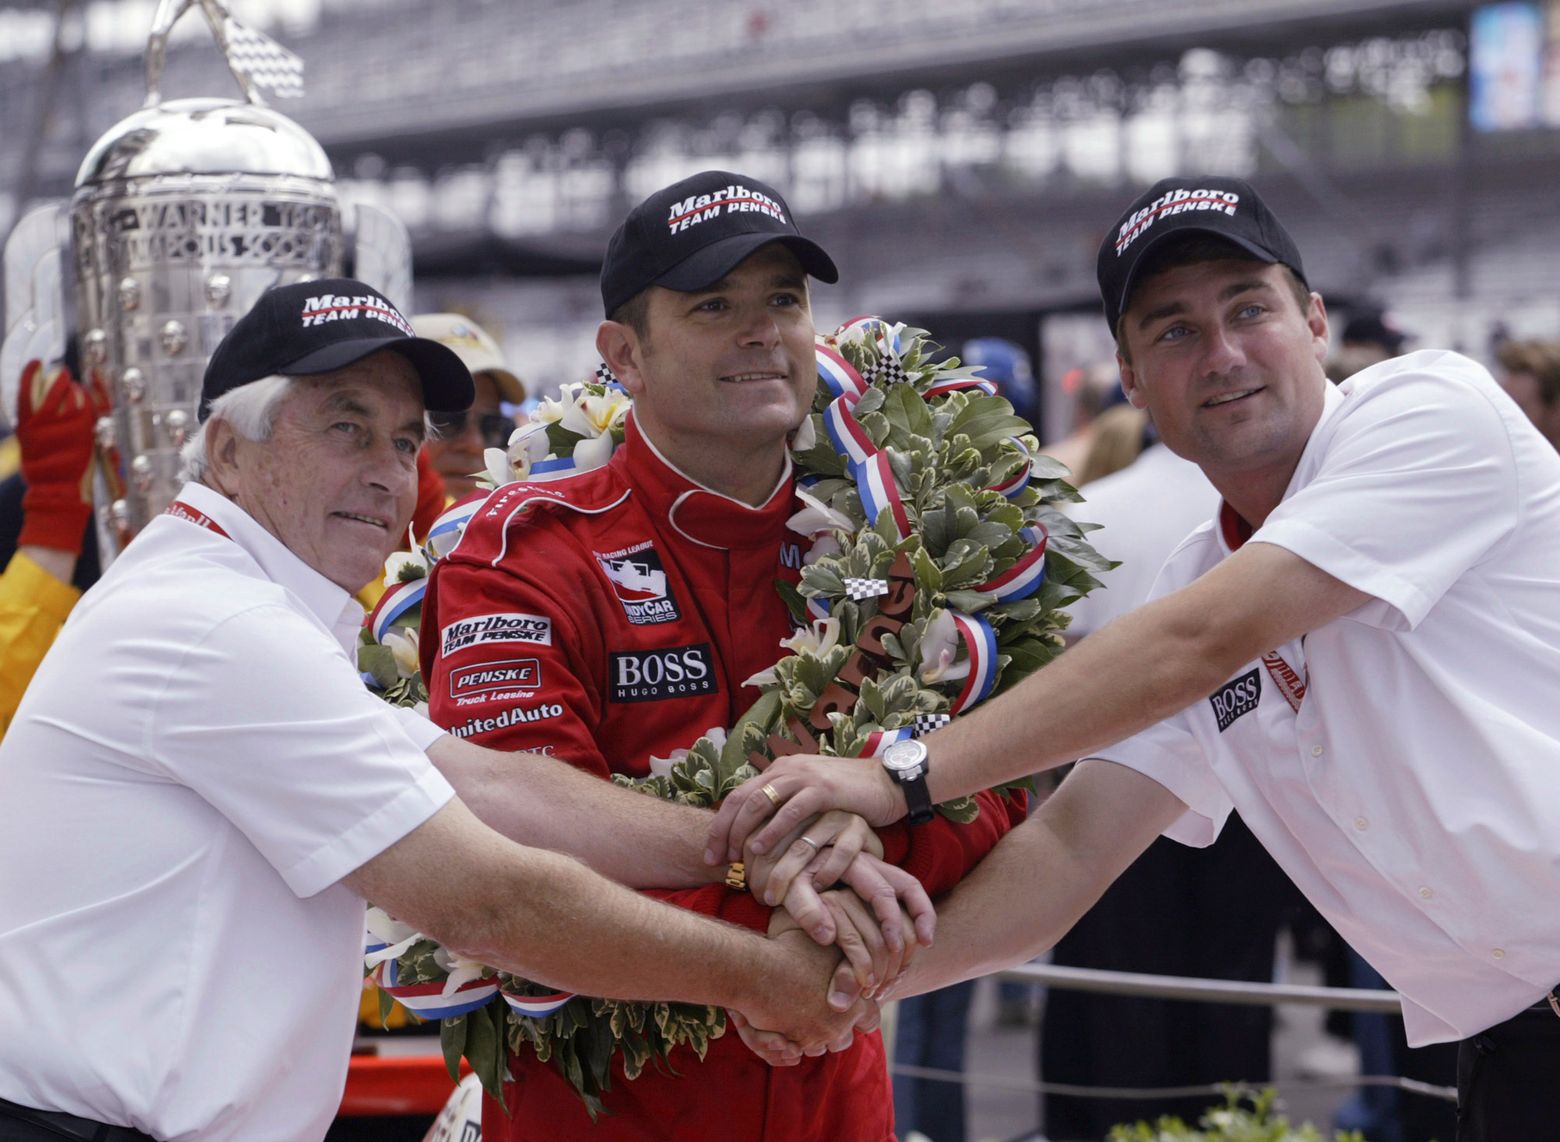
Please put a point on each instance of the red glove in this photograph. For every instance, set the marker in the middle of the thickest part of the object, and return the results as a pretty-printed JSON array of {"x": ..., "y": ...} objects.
[
  {"x": 54, "y": 428},
  {"x": 431, "y": 499}
]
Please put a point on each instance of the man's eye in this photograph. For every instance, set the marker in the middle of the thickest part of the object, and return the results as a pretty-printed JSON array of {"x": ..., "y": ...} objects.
[
  {"x": 407, "y": 445},
  {"x": 1255, "y": 309},
  {"x": 1173, "y": 333},
  {"x": 712, "y": 305}
]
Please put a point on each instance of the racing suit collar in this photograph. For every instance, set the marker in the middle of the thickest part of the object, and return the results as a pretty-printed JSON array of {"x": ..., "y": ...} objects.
[{"x": 700, "y": 514}]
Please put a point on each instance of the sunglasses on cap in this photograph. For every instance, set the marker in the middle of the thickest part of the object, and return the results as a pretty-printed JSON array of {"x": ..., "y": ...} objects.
[{"x": 494, "y": 427}]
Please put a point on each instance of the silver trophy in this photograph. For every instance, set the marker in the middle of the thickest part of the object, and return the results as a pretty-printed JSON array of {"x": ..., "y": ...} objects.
[{"x": 183, "y": 214}]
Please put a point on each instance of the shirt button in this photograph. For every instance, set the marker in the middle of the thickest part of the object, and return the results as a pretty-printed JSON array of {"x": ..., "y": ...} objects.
[
  {"x": 1498, "y": 953},
  {"x": 1317, "y": 751},
  {"x": 1425, "y": 893},
  {"x": 1361, "y": 824}
]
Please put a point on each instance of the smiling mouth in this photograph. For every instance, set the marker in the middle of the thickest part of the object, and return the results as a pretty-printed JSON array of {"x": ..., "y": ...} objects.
[
  {"x": 373, "y": 521},
  {"x": 1230, "y": 398},
  {"x": 744, "y": 378}
]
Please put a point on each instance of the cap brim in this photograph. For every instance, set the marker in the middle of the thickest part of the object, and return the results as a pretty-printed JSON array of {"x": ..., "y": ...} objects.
[
  {"x": 446, "y": 382},
  {"x": 707, "y": 266},
  {"x": 1256, "y": 251}
]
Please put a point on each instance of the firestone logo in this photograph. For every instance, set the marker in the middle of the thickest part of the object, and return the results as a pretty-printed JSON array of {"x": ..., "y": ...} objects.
[
  {"x": 336, "y": 307},
  {"x": 1175, "y": 202},
  {"x": 734, "y": 198}
]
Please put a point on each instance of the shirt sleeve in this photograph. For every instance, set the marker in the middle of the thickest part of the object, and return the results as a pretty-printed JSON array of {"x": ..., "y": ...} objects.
[
  {"x": 266, "y": 719},
  {"x": 33, "y": 606},
  {"x": 941, "y": 852},
  {"x": 1169, "y": 754},
  {"x": 505, "y": 666},
  {"x": 1418, "y": 483}
]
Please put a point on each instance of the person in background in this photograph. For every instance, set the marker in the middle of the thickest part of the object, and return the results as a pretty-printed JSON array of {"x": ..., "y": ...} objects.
[
  {"x": 1530, "y": 372},
  {"x": 1093, "y": 390},
  {"x": 45, "y": 522},
  {"x": 455, "y": 448},
  {"x": 1369, "y": 336}
]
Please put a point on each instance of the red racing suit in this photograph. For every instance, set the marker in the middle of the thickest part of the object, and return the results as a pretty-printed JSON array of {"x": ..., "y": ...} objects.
[{"x": 613, "y": 615}]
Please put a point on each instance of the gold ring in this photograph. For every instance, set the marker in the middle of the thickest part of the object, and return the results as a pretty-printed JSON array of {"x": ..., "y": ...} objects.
[
  {"x": 769, "y": 791},
  {"x": 809, "y": 842}
]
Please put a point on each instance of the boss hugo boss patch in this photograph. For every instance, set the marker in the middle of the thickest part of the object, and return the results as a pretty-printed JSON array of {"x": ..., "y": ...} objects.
[{"x": 1236, "y": 698}]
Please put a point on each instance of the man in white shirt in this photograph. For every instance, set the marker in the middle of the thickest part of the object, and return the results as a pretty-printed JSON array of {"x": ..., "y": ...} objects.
[
  {"x": 200, "y": 792},
  {"x": 1359, "y": 654}
]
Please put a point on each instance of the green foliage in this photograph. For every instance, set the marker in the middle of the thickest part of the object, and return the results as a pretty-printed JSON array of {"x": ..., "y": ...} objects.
[{"x": 1234, "y": 1121}]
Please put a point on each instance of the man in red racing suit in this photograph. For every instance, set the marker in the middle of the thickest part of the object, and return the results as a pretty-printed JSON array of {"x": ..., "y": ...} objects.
[{"x": 611, "y": 616}]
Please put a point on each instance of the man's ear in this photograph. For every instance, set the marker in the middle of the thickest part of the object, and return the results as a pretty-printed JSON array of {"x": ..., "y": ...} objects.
[
  {"x": 222, "y": 456},
  {"x": 1316, "y": 322},
  {"x": 619, "y": 347},
  {"x": 1129, "y": 383}
]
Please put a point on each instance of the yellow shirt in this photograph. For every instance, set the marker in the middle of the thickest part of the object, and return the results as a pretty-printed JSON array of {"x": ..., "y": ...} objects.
[{"x": 33, "y": 606}]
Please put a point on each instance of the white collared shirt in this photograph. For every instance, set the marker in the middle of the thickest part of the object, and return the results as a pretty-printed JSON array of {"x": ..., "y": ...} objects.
[
  {"x": 1415, "y": 797},
  {"x": 193, "y": 770}
]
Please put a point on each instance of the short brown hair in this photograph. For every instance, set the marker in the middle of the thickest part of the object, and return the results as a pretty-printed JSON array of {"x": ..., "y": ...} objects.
[
  {"x": 634, "y": 313},
  {"x": 1540, "y": 359},
  {"x": 1194, "y": 249}
]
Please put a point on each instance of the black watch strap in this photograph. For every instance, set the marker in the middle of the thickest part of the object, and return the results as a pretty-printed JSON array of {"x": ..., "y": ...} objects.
[{"x": 917, "y": 798}]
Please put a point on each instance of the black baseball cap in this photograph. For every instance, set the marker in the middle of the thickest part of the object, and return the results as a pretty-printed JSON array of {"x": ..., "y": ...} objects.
[
  {"x": 696, "y": 231},
  {"x": 1222, "y": 207},
  {"x": 308, "y": 328}
]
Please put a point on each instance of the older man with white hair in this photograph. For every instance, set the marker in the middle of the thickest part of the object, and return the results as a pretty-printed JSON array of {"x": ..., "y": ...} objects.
[{"x": 200, "y": 792}]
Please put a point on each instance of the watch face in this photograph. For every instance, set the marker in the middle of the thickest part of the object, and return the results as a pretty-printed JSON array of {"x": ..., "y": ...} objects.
[{"x": 904, "y": 755}]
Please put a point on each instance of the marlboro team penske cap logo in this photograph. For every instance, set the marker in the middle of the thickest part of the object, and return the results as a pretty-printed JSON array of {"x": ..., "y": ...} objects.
[
  {"x": 734, "y": 198},
  {"x": 334, "y": 307},
  {"x": 1225, "y": 209}
]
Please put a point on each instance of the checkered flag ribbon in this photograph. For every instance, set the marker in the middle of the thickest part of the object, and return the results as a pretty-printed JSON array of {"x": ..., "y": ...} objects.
[
  {"x": 605, "y": 376},
  {"x": 263, "y": 60},
  {"x": 887, "y": 370},
  {"x": 927, "y": 723},
  {"x": 859, "y": 589}
]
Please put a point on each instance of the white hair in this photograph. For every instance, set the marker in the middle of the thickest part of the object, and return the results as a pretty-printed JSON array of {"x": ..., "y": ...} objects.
[{"x": 251, "y": 411}]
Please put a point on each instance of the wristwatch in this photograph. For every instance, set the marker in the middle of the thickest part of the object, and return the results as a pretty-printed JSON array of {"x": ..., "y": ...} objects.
[{"x": 907, "y": 764}]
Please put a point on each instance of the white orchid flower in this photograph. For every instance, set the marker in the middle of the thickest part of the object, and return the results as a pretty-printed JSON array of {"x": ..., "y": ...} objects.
[
  {"x": 403, "y": 646},
  {"x": 938, "y": 649},
  {"x": 550, "y": 411},
  {"x": 594, "y": 452},
  {"x": 496, "y": 467},
  {"x": 817, "y": 517},
  {"x": 591, "y": 415},
  {"x": 815, "y": 640},
  {"x": 459, "y": 969},
  {"x": 382, "y": 928},
  {"x": 400, "y": 563},
  {"x": 822, "y": 547}
]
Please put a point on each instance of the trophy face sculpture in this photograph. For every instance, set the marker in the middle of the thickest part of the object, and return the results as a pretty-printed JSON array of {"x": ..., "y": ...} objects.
[{"x": 183, "y": 214}]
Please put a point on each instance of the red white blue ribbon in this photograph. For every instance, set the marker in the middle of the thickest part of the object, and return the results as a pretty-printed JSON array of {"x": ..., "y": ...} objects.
[
  {"x": 428, "y": 999},
  {"x": 393, "y": 604},
  {"x": 445, "y": 532},
  {"x": 980, "y": 644},
  {"x": 847, "y": 433},
  {"x": 537, "y": 1006},
  {"x": 879, "y": 492},
  {"x": 879, "y": 740},
  {"x": 1023, "y": 578},
  {"x": 838, "y": 375},
  {"x": 1019, "y": 480},
  {"x": 552, "y": 468},
  {"x": 871, "y": 329},
  {"x": 956, "y": 384}
]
